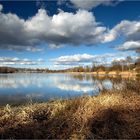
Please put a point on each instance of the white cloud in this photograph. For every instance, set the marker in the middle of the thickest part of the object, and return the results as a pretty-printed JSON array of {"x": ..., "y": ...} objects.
[
  {"x": 89, "y": 4},
  {"x": 41, "y": 4},
  {"x": 84, "y": 59},
  {"x": 54, "y": 46},
  {"x": 1, "y": 7},
  {"x": 130, "y": 30},
  {"x": 16, "y": 61},
  {"x": 66, "y": 28},
  {"x": 111, "y": 35},
  {"x": 62, "y": 28},
  {"x": 129, "y": 45},
  {"x": 73, "y": 59}
]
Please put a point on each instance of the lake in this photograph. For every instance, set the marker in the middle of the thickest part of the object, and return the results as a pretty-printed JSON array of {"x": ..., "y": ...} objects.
[{"x": 22, "y": 88}]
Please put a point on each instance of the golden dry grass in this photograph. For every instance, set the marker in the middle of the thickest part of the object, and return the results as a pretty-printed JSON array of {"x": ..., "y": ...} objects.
[{"x": 108, "y": 115}]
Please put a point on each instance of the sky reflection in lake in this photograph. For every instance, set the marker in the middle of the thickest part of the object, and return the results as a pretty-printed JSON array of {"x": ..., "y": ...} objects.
[{"x": 20, "y": 88}]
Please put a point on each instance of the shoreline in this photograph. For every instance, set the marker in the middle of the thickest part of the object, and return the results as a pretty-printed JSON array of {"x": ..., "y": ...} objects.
[
  {"x": 111, "y": 73},
  {"x": 110, "y": 115},
  {"x": 101, "y": 73}
]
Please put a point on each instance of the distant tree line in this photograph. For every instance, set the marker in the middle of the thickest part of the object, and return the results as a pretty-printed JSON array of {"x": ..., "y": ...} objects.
[
  {"x": 127, "y": 64},
  {"x": 8, "y": 70},
  {"x": 27, "y": 70}
]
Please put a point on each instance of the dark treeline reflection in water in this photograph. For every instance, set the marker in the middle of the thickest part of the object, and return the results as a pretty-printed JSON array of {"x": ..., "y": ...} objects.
[
  {"x": 102, "y": 83},
  {"x": 22, "y": 88}
]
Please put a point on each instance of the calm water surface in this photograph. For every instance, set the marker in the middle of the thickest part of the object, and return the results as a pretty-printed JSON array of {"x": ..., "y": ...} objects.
[{"x": 21, "y": 88}]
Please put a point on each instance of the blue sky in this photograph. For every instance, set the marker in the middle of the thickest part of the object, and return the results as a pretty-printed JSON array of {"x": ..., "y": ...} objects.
[{"x": 62, "y": 34}]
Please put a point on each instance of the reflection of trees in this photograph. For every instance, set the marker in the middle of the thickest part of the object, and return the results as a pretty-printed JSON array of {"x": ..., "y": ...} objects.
[
  {"x": 79, "y": 77},
  {"x": 82, "y": 77},
  {"x": 104, "y": 83},
  {"x": 88, "y": 77},
  {"x": 116, "y": 82},
  {"x": 98, "y": 83},
  {"x": 3, "y": 76}
]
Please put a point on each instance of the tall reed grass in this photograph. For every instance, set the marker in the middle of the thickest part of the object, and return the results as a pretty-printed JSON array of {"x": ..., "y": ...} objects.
[{"x": 110, "y": 115}]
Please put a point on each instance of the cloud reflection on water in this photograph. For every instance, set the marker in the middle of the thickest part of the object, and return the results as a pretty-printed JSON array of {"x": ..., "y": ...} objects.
[{"x": 20, "y": 87}]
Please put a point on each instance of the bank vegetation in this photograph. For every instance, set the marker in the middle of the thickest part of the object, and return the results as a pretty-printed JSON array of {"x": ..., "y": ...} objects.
[{"x": 113, "y": 114}]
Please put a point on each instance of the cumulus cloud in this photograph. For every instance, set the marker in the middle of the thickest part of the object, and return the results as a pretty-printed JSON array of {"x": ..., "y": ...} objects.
[
  {"x": 13, "y": 34},
  {"x": 1, "y": 7},
  {"x": 84, "y": 59},
  {"x": 129, "y": 45},
  {"x": 111, "y": 35},
  {"x": 66, "y": 28},
  {"x": 73, "y": 59},
  {"x": 129, "y": 29},
  {"x": 54, "y": 46},
  {"x": 89, "y": 4},
  {"x": 62, "y": 28},
  {"x": 16, "y": 61},
  {"x": 41, "y": 4}
]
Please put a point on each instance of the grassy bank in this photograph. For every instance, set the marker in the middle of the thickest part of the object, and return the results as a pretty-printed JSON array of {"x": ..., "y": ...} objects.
[
  {"x": 110, "y": 73},
  {"x": 112, "y": 114}
]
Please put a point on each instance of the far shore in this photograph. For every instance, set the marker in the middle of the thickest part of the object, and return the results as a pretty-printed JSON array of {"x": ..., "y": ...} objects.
[
  {"x": 111, "y": 73},
  {"x": 124, "y": 74}
]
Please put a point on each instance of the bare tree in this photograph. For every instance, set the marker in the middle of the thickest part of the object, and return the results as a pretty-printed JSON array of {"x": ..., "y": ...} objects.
[
  {"x": 122, "y": 62},
  {"x": 129, "y": 60}
]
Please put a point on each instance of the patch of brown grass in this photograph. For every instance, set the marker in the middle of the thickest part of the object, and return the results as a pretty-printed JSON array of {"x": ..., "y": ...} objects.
[{"x": 108, "y": 115}]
